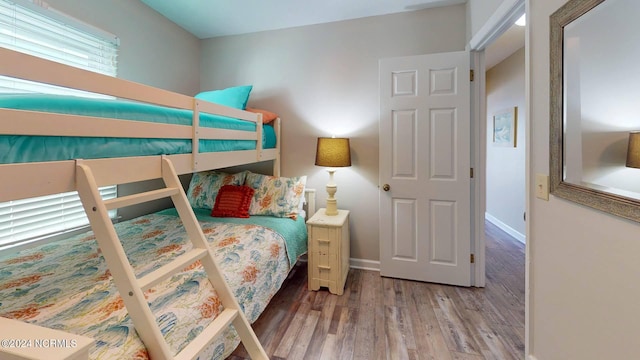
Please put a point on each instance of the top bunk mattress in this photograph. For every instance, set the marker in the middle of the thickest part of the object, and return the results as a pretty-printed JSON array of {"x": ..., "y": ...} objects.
[{"x": 20, "y": 148}]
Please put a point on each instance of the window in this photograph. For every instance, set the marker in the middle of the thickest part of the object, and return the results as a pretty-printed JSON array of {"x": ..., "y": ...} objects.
[
  {"x": 37, "y": 29},
  {"x": 28, "y": 219}
]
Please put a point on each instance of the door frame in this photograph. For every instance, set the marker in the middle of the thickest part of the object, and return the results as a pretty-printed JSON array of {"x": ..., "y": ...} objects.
[
  {"x": 503, "y": 17},
  {"x": 478, "y": 163}
]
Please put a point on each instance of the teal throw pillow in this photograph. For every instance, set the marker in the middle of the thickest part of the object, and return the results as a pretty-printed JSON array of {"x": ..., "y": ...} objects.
[{"x": 235, "y": 97}]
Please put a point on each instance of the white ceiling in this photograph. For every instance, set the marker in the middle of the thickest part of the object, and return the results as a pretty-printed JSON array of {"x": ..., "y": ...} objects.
[{"x": 211, "y": 18}]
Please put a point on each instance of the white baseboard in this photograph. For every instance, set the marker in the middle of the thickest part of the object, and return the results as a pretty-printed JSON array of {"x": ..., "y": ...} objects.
[
  {"x": 531, "y": 357},
  {"x": 364, "y": 264},
  {"x": 506, "y": 228}
]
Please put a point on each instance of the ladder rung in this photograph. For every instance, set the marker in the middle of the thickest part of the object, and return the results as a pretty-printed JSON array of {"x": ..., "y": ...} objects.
[
  {"x": 139, "y": 198},
  {"x": 207, "y": 335},
  {"x": 171, "y": 268}
]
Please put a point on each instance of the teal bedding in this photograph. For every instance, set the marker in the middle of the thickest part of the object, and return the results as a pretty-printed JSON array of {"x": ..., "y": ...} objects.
[
  {"x": 294, "y": 232},
  {"x": 18, "y": 148}
]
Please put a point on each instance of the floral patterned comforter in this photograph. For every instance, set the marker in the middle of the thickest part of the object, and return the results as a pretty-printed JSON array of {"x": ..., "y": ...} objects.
[{"x": 66, "y": 285}]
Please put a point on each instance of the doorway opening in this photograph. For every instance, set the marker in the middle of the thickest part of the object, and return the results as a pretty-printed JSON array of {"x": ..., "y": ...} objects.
[
  {"x": 496, "y": 165},
  {"x": 505, "y": 171}
]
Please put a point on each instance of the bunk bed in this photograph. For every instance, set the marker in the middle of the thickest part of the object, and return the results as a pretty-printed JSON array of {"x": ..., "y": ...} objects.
[{"x": 148, "y": 274}]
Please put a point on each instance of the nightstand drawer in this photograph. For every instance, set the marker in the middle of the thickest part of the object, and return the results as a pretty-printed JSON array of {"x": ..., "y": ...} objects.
[{"x": 323, "y": 248}]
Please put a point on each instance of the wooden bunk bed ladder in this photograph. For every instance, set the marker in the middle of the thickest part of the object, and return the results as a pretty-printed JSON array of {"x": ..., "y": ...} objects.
[{"x": 132, "y": 288}]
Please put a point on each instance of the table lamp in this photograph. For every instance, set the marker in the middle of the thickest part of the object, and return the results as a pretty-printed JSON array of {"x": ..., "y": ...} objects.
[
  {"x": 332, "y": 153},
  {"x": 633, "y": 150}
]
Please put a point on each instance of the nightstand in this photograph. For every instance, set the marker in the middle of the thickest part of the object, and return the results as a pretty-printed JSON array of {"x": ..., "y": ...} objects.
[{"x": 328, "y": 251}]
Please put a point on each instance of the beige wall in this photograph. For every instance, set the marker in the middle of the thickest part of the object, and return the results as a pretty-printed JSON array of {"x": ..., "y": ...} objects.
[
  {"x": 584, "y": 266},
  {"x": 505, "y": 173},
  {"x": 153, "y": 50},
  {"x": 323, "y": 80}
]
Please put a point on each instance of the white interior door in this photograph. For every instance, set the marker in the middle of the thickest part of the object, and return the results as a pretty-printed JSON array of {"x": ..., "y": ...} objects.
[{"x": 425, "y": 215}]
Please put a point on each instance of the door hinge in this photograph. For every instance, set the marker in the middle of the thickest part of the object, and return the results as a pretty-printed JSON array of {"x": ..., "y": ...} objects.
[
  {"x": 471, "y": 74},
  {"x": 471, "y": 173},
  {"x": 473, "y": 259}
]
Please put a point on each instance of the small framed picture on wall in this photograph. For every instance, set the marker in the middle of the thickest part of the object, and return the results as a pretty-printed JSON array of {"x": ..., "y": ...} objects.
[{"x": 505, "y": 127}]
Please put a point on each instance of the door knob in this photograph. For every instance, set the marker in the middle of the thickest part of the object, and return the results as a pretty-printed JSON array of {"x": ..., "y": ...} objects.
[{"x": 386, "y": 187}]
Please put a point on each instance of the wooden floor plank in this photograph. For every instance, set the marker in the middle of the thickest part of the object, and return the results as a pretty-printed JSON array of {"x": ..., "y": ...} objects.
[
  {"x": 365, "y": 330},
  {"x": 453, "y": 324},
  {"x": 293, "y": 330},
  {"x": 513, "y": 338},
  {"x": 406, "y": 328},
  {"x": 490, "y": 343},
  {"x": 463, "y": 356},
  {"x": 429, "y": 341},
  {"x": 380, "y": 340},
  {"x": 389, "y": 292},
  {"x": 347, "y": 333},
  {"x": 326, "y": 307},
  {"x": 351, "y": 296},
  {"x": 329, "y": 347},
  {"x": 302, "y": 339},
  {"x": 383, "y": 318},
  {"x": 474, "y": 299},
  {"x": 396, "y": 347}
]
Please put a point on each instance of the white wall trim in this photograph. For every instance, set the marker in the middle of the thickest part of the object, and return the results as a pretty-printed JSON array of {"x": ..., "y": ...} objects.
[
  {"x": 506, "y": 228},
  {"x": 504, "y": 16},
  {"x": 531, "y": 357},
  {"x": 364, "y": 264}
]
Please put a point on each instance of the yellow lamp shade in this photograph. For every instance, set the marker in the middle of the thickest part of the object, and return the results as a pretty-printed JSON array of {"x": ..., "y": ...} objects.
[
  {"x": 633, "y": 151},
  {"x": 333, "y": 152}
]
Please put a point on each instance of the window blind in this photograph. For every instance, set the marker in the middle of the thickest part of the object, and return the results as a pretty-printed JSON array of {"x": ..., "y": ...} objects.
[
  {"x": 36, "y": 29},
  {"x": 27, "y": 27},
  {"x": 27, "y": 219}
]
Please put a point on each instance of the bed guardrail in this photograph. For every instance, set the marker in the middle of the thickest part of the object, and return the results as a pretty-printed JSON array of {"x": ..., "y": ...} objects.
[{"x": 26, "y": 180}]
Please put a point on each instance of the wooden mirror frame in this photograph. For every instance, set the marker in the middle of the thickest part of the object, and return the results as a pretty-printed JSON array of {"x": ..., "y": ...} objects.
[{"x": 605, "y": 201}]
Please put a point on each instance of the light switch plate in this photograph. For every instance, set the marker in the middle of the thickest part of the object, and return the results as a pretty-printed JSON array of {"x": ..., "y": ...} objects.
[{"x": 542, "y": 186}]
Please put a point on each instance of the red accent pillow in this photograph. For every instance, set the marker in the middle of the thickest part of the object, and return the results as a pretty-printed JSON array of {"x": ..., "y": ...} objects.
[
  {"x": 233, "y": 201},
  {"x": 267, "y": 116}
]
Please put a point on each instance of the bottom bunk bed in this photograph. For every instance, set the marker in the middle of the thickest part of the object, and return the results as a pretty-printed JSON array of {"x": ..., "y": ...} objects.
[{"x": 66, "y": 285}]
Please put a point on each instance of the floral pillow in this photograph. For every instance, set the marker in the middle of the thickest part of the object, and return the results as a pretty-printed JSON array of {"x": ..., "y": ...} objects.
[
  {"x": 276, "y": 196},
  {"x": 205, "y": 185}
]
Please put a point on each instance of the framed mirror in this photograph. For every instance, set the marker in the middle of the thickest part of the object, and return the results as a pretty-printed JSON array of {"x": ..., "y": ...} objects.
[{"x": 595, "y": 105}]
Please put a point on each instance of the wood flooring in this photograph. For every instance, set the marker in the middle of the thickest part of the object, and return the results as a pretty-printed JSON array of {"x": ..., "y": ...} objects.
[{"x": 385, "y": 318}]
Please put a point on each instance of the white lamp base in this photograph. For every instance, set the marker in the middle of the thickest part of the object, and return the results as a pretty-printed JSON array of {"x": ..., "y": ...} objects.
[{"x": 332, "y": 203}]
